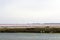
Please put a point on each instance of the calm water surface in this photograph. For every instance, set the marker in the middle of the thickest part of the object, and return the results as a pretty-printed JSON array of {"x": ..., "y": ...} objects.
[{"x": 29, "y": 36}]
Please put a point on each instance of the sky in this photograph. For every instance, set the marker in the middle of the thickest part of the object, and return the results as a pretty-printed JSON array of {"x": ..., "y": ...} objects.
[{"x": 29, "y": 11}]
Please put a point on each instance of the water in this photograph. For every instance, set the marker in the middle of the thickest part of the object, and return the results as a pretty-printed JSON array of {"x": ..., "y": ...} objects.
[{"x": 29, "y": 36}]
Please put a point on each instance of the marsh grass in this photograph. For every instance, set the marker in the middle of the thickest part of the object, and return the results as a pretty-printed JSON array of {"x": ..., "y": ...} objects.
[{"x": 31, "y": 30}]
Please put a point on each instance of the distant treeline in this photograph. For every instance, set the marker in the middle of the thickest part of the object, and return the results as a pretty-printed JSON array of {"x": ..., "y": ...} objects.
[{"x": 30, "y": 30}]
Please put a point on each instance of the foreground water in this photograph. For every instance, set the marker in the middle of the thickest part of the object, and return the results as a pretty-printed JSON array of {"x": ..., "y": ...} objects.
[{"x": 29, "y": 36}]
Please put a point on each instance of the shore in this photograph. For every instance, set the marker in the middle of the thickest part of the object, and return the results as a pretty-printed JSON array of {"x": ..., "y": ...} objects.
[{"x": 46, "y": 29}]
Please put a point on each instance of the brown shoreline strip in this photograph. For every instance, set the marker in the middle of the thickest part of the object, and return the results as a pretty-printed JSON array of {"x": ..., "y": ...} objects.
[{"x": 46, "y": 29}]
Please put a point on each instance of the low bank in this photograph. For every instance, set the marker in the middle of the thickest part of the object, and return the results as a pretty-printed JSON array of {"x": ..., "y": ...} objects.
[{"x": 30, "y": 30}]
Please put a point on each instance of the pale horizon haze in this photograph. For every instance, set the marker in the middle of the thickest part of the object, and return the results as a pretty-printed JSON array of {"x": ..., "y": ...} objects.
[{"x": 29, "y": 11}]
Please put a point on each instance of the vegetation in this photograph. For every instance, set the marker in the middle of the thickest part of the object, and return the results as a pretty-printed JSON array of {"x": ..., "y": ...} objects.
[{"x": 32, "y": 30}]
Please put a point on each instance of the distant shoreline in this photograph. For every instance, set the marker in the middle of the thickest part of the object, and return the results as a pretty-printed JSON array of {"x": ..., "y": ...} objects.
[
  {"x": 46, "y": 29},
  {"x": 30, "y": 28}
]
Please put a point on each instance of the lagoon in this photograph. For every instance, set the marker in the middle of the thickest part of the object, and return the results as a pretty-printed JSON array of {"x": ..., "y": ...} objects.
[{"x": 29, "y": 36}]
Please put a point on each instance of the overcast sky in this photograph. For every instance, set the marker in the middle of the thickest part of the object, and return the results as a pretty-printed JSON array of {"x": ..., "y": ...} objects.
[{"x": 29, "y": 11}]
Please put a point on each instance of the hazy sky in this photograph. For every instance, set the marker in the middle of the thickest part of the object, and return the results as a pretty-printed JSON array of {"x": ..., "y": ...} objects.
[{"x": 29, "y": 11}]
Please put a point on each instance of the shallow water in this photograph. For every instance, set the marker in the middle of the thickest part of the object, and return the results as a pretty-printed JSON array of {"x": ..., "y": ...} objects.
[{"x": 29, "y": 36}]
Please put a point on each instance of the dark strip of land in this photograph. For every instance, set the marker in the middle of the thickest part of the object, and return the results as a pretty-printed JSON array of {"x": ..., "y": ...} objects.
[{"x": 30, "y": 30}]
